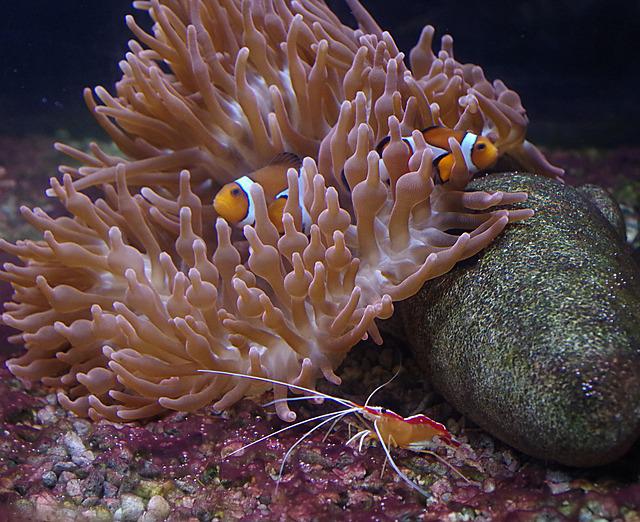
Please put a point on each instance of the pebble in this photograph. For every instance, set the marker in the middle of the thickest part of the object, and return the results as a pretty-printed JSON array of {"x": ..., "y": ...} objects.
[
  {"x": 489, "y": 485},
  {"x": 81, "y": 427},
  {"x": 65, "y": 477},
  {"x": 148, "y": 488},
  {"x": 559, "y": 487},
  {"x": 60, "y": 467},
  {"x": 47, "y": 416},
  {"x": 93, "y": 484},
  {"x": 84, "y": 459},
  {"x": 128, "y": 484},
  {"x": 148, "y": 469},
  {"x": 157, "y": 510},
  {"x": 74, "y": 444},
  {"x": 130, "y": 510},
  {"x": 97, "y": 514},
  {"x": 47, "y": 508},
  {"x": 90, "y": 501},
  {"x": 82, "y": 472},
  {"x": 49, "y": 479},
  {"x": 109, "y": 490},
  {"x": 57, "y": 451},
  {"x": 74, "y": 488},
  {"x": 112, "y": 504},
  {"x": 185, "y": 486}
]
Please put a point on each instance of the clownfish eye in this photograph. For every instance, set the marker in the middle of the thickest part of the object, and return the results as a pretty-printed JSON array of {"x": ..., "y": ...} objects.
[
  {"x": 235, "y": 192},
  {"x": 481, "y": 146}
]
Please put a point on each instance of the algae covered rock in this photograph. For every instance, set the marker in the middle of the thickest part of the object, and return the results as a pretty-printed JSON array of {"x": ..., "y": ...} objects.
[
  {"x": 537, "y": 339},
  {"x": 607, "y": 207}
]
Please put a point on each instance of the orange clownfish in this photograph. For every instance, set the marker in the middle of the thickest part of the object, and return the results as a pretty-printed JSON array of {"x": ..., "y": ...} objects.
[
  {"x": 478, "y": 151},
  {"x": 235, "y": 204}
]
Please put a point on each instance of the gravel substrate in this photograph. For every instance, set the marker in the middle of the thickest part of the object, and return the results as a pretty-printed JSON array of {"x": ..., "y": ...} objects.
[{"x": 54, "y": 466}]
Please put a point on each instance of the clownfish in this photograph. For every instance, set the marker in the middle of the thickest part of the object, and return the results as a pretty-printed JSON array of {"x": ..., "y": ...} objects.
[
  {"x": 478, "y": 151},
  {"x": 234, "y": 202}
]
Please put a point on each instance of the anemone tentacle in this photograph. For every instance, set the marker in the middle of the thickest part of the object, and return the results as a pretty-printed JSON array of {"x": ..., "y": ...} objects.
[{"x": 126, "y": 298}]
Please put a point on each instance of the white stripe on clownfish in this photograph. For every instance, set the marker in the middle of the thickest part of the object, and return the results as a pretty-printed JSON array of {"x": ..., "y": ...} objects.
[
  {"x": 436, "y": 151},
  {"x": 236, "y": 205},
  {"x": 302, "y": 187},
  {"x": 467, "y": 144},
  {"x": 245, "y": 183},
  {"x": 436, "y": 139}
]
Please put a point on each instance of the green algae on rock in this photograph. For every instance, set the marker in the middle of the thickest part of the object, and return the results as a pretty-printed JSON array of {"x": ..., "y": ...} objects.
[
  {"x": 537, "y": 339},
  {"x": 607, "y": 207}
]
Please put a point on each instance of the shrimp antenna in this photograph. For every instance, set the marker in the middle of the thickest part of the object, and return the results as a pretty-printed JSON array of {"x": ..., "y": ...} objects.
[
  {"x": 335, "y": 416},
  {"x": 290, "y": 427},
  {"x": 315, "y": 393},
  {"x": 381, "y": 386}
]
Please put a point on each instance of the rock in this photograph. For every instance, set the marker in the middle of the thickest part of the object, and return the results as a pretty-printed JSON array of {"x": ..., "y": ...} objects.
[
  {"x": 47, "y": 415},
  {"x": 131, "y": 508},
  {"x": 148, "y": 469},
  {"x": 84, "y": 459},
  {"x": 66, "y": 476},
  {"x": 607, "y": 207},
  {"x": 46, "y": 508},
  {"x": 97, "y": 514},
  {"x": 90, "y": 501},
  {"x": 93, "y": 484},
  {"x": 186, "y": 486},
  {"x": 537, "y": 339},
  {"x": 74, "y": 488},
  {"x": 157, "y": 510},
  {"x": 109, "y": 490},
  {"x": 58, "y": 452},
  {"x": 148, "y": 488},
  {"x": 49, "y": 479},
  {"x": 82, "y": 427},
  {"x": 74, "y": 444},
  {"x": 60, "y": 467}
]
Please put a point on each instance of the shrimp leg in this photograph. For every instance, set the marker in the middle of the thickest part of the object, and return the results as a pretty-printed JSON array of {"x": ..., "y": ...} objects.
[{"x": 395, "y": 467}]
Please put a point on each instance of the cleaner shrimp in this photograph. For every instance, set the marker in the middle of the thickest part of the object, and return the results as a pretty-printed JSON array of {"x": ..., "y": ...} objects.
[{"x": 416, "y": 433}]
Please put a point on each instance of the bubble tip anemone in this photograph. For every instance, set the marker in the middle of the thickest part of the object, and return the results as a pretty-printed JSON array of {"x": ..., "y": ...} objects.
[{"x": 131, "y": 294}]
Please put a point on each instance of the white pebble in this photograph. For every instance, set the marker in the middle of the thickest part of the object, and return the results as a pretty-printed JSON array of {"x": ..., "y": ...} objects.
[
  {"x": 157, "y": 510},
  {"x": 73, "y": 443},
  {"x": 130, "y": 510}
]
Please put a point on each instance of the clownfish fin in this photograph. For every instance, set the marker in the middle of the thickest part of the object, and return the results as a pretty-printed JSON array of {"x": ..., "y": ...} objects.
[
  {"x": 273, "y": 176},
  {"x": 444, "y": 166},
  {"x": 286, "y": 159},
  {"x": 439, "y": 136}
]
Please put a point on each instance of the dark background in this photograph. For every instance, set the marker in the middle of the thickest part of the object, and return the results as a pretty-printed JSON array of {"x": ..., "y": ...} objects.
[{"x": 574, "y": 62}]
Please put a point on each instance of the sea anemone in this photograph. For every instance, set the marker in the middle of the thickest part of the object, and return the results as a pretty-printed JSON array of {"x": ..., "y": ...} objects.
[{"x": 132, "y": 293}]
